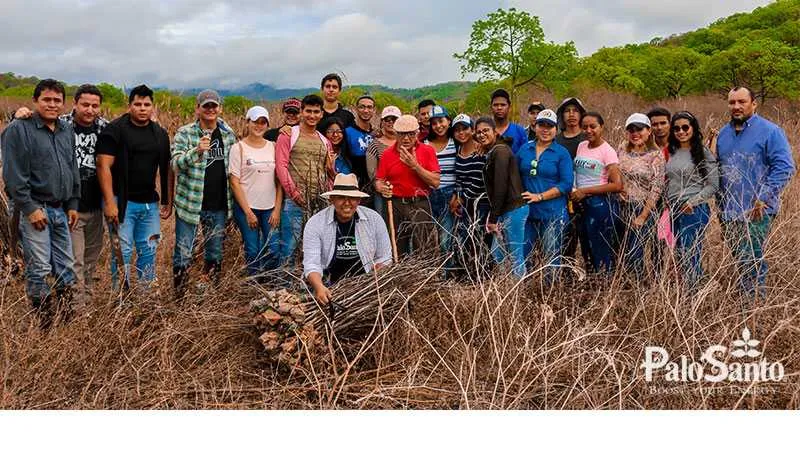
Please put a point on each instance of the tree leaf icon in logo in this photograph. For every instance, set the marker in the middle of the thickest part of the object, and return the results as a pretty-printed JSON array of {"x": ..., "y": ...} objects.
[
  {"x": 738, "y": 353},
  {"x": 746, "y": 334},
  {"x": 739, "y": 343},
  {"x": 753, "y": 353}
]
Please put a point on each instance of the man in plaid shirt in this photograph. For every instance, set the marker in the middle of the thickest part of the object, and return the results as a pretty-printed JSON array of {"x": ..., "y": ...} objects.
[{"x": 202, "y": 196}]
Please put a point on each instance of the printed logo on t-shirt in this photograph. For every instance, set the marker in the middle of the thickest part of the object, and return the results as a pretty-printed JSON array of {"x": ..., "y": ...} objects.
[
  {"x": 588, "y": 172},
  {"x": 364, "y": 141},
  {"x": 346, "y": 248},
  {"x": 215, "y": 152},
  {"x": 84, "y": 151}
]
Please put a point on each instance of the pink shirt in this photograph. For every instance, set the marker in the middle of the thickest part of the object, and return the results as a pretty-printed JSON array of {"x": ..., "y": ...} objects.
[
  {"x": 591, "y": 164},
  {"x": 255, "y": 168}
]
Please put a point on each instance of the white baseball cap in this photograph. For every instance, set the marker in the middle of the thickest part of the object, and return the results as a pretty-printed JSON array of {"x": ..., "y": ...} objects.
[
  {"x": 638, "y": 119},
  {"x": 257, "y": 112},
  {"x": 462, "y": 119},
  {"x": 547, "y": 116}
]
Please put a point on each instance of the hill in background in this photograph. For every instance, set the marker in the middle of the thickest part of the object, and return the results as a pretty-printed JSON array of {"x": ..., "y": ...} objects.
[{"x": 760, "y": 49}]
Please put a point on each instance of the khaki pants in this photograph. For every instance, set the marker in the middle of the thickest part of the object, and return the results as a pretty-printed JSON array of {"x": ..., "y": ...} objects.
[
  {"x": 87, "y": 241},
  {"x": 416, "y": 228}
]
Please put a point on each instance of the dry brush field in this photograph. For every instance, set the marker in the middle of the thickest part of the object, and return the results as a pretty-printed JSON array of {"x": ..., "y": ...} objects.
[{"x": 489, "y": 344}]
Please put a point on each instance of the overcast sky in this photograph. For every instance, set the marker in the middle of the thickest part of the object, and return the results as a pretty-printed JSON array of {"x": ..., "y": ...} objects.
[{"x": 408, "y": 43}]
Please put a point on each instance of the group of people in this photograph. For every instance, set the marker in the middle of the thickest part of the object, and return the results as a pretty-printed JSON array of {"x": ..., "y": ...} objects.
[{"x": 357, "y": 198}]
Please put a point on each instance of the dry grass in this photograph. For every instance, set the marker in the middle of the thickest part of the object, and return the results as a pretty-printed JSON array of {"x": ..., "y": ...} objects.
[{"x": 491, "y": 344}]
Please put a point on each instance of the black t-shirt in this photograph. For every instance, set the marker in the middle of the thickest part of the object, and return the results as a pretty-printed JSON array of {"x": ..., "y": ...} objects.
[
  {"x": 346, "y": 117},
  {"x": 85, "y": 143},
  {"x": 142, "y": 161},
  {"x": 272, "y": 134},
  {"x": 571, "y": 143},
  {"x": 346, "y": 261},
  {"x": 215, "y": 187}
]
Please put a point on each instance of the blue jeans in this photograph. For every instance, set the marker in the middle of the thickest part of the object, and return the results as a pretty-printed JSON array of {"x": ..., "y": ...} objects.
[
  {"x": 46, "y": 252},
  {"x": 747, "y": 241},
  {"x": 689, "y": 230},
  {"x": 142, "y": 229},
  {"x": 512, "y": 239},
  {"x": 212, "y": 223},
  {"x": 262, "y": 245},
  {"x": 551, "y": 234},
  {"x": 634, "y": 241},
  {"x": 599, "y": 228},
  {"x": 440, "y": 206},
  {"x": 291, "y": 229}
]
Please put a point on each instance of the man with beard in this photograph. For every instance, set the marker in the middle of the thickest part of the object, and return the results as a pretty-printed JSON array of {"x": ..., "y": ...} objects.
[
  {"x": 132, "y": 150},
  {"x": 659, "y": 122},
  {"x": 359, "y": 136},
  {"x": 756, "y": 164}
]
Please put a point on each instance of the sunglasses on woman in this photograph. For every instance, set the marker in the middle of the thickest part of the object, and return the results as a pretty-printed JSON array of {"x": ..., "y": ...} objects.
[
  {"x": 684, "y": 128},
  {"x": 534, "y": 167}
]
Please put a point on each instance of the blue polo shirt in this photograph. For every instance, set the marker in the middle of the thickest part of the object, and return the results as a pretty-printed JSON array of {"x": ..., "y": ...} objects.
[
  {"x": 554, "y": 169},
  {"x": 755, "y": 164}
]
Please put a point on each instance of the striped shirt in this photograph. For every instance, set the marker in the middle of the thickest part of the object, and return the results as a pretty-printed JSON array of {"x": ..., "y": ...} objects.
[
  {"x": 447, "y": 163},
  {"x": 468, "y": 172}
]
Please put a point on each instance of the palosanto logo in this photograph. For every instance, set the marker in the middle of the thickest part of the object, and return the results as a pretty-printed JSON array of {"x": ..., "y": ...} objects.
[{"x": 712, "y": 366}]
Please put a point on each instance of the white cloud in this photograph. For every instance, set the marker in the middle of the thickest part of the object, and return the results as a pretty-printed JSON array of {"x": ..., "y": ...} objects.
[{"x": 186, "y": 43}]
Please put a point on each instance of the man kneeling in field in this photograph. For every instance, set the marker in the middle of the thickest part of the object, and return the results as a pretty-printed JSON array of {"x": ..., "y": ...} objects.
[{"x": 343, "y": 239}]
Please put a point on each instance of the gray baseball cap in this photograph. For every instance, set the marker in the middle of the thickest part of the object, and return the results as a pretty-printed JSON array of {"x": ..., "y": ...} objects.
[{"x": 208, "y": 96}]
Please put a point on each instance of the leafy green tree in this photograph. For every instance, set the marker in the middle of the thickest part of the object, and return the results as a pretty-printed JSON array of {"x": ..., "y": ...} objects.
[
  {"x": 236, "y": 105},
  {"x": 768, "y": 67},
  {"x": 511, "y": 44},
  {"x": 669, "y": 72},
  {"x": 112, "y": 96}
]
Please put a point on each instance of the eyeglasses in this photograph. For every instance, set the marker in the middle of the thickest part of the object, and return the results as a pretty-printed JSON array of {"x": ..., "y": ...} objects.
[
  {"x": 210, "y": 106},
  {"x": 366, "y": 106},
  {"x": 534, "y": 167},
  {"x": 333, "y": 132},
  {"x": 406, "y": 135},
  {"x": 684, "y": 128},
  {"x": 632, "y": 129},
  {"x": 389, "y": 119}
]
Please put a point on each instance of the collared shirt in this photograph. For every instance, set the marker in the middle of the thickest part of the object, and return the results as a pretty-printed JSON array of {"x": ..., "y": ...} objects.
[
  {"x": 553, "y": 170},
  {"x": 190, "y": 170},
  {"x": 406, "y": 181},
  {"x": 756, "y": 164},
  {"x": 319, "y": 240},
  {"x": 39, "y": 164}
]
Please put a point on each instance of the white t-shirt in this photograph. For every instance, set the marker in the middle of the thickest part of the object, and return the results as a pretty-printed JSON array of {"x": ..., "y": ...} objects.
[{"x": 255, "y": 168}]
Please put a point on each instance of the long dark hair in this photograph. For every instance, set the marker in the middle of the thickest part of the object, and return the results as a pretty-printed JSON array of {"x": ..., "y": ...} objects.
[
  {"x": 344, "y": 150},
  {"x": 490, "y": 121},
  {"x": 696, "y": 141}
]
